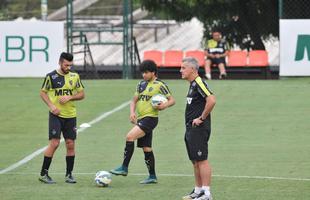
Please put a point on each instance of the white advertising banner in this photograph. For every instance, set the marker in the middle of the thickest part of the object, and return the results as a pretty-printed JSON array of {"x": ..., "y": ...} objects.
[
  {"x": 294, "y": 47},
  {"x": 30, "y": 49}
]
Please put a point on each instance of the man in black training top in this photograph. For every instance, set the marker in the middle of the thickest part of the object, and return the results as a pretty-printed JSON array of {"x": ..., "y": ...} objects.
[{"x": 200, "y": 102}]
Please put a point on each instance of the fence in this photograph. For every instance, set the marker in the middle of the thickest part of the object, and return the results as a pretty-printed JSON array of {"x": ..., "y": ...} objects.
[
  {"x": 256, "y": 27},
  {"x": 294, "y": 9}
]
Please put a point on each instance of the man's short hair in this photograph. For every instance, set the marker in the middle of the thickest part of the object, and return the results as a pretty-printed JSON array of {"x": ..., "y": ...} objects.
[
  {"x": 192, "y": 62},
  {"x": 148, "y": 65},
  {"x": 66, "y": 56}
]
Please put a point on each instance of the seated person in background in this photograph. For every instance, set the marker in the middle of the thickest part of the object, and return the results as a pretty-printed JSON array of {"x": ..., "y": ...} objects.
[{"x": 216, "y": 52}]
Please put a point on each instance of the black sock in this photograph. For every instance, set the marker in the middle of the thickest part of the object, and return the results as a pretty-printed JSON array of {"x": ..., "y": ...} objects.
[
  {"x": 46, "y": 165},
  {"x": 128, "y": 152},
  {"x": 70, "y": 164},
  {"x": 150, "y": 162}
]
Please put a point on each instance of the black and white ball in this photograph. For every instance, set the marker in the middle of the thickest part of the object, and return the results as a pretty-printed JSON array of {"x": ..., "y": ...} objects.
[
  {"x": 158, "y": 99},
  {"x": 103, "y": 178}
]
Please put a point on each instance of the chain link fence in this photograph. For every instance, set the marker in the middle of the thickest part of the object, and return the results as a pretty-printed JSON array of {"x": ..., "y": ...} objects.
[
  {"x": 30, "y": 9},
  {"x": 98, "y": 49},
  {"x": 294, "y": 9},
  {"x": 97, "y": 32},
  {"x": 98, "y": 40}
]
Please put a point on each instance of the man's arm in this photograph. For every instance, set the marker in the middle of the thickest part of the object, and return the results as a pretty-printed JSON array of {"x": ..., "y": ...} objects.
[
  {"x": 226, "y": 48},
  {"x": 48, "y": 102},
  {"x": 224, "y": 54},
  {"x": 78, "y": 96},
  {"x": 208, "y": 107},
  {"x": 207, "y": 54},
  {"x": 206, "y": 111}
]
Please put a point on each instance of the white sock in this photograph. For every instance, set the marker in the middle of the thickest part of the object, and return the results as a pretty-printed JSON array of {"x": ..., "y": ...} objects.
[
  {"x": 197, "y": 190},
  {"x": 206, "y": 189},
  {"x": 208, "y": 76}
]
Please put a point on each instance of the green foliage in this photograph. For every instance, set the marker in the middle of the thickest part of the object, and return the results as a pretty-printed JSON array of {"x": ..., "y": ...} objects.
[
  {"x": 243, "y": 22},
  {"x": 12, "y": 9},
  {"x": 104, "y": 7}
]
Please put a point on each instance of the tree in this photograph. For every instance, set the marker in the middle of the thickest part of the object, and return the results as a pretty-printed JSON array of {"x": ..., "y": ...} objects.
[
  {"x": 12, "y": 9},
  {"x": 243, "y": 22}
]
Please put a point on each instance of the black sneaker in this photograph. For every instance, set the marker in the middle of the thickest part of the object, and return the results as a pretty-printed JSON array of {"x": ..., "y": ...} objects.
[
  {"x": 191, "y": 196},
  {"x": 46, "y": 179},
  {"x": 149, "y": 180},
  {"x": 223, "y": 76},
  {"x": 70, "y": 179},
  {"x": 202, "y": 196},
  {"x": 122, "y": 170}
]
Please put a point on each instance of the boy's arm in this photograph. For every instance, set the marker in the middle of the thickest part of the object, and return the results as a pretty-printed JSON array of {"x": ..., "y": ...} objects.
[
  {"x": 167, "y": 104},
  {"x": 133, "y": 117}
]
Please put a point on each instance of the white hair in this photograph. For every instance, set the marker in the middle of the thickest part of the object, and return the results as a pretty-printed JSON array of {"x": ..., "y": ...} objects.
[{"x": 192, "y": 62}]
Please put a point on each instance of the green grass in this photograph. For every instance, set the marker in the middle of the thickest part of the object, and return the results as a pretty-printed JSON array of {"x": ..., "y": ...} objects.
[{"x": 259, "y": 128}]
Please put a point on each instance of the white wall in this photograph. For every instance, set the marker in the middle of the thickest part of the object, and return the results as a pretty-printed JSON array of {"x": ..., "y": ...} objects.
[
  {"x": 293, "y": 63},
  {"x": 30, "y": 49}
]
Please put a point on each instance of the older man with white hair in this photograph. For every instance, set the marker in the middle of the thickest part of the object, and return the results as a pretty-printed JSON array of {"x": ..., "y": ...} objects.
[{"x": 200, "y": 103}]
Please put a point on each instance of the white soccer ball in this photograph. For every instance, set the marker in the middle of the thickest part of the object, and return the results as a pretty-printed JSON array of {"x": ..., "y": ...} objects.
[
  {"x": 157, "y": 99},
  {"x": 103, "y": 178}
]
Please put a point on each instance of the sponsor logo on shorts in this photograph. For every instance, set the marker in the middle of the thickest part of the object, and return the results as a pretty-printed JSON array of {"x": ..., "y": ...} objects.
[
  {"x": 199, "y": 153},
  {"x": 53, "y": 132}
]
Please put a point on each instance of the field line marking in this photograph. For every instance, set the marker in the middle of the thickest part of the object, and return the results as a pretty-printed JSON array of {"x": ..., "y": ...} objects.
[
  {"x": 180, "y": 175},
  {"x": 230, "y": 176},
  {"x": 81, "y": 129}
]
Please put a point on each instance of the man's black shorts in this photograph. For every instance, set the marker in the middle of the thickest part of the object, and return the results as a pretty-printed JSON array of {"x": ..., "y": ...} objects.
[
  {"x": 57, "y": 125},
  {"x": 147, "y": 124},
  {"x": 196, "y": 140},
  {"x": 217, "y": 61}
]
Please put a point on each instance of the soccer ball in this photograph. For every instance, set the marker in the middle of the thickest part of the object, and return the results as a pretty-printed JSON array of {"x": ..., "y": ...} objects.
[
  {"x": 103, "y": 178},
  {"x": 157, "y": 99}
]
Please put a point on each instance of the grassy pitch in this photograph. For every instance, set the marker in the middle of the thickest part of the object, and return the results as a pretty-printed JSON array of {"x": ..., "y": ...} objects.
[{"x": 259, "y": 148}]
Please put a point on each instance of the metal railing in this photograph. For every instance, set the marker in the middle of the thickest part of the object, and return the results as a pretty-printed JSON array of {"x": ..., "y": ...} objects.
[{"x": 89, "y": 68}]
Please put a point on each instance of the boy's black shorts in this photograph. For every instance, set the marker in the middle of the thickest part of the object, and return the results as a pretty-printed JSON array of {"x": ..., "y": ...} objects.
[{"x": 147, "y": 124}]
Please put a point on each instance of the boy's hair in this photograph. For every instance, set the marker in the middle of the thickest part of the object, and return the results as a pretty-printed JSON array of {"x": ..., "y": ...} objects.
[
  {"x": 66, "y": 56},
  {"x": 148, "y": 65}
]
